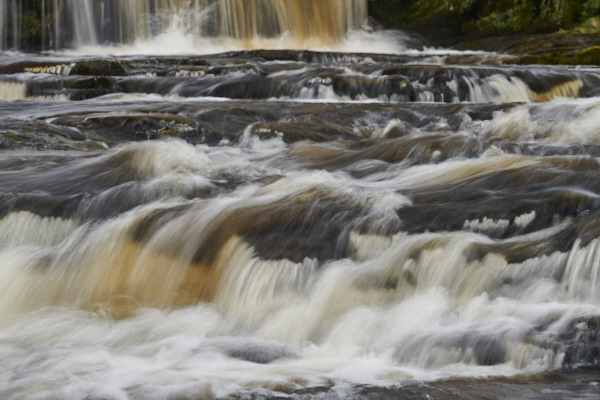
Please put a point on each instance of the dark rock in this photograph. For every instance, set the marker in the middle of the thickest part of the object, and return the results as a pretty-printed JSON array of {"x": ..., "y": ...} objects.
[
  {"x": 98, "y": 67},
  {"x": 582, "y": 342},
  {"x": 93, "y": 87},
  {"x": 252, "y": 350},
  {"x": 552, "y": 49},
  {"x": 484, "y": 349},
  {"x": 272, "y": 55}
]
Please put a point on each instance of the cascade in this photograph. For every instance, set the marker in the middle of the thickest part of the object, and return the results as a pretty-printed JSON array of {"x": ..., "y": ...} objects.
[
  {"x": 76, "y": 23},
  {"x": 3, "y": 30},
  {"x": 289, "y": 208}
]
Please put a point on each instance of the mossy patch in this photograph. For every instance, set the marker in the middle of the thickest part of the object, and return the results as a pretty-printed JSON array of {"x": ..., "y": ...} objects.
[
  {"x": 587, "y": 56},
  {"x": 446, "y": 22},
  {"x": 552, "y": 49},
  {"x": 12, "y": 136},
  {"x": 172, "y": 131},
  {"x": 589, "y": 26}
]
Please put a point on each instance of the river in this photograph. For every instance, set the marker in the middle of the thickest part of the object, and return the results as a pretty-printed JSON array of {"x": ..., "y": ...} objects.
[{"x": 269, "y": 203}]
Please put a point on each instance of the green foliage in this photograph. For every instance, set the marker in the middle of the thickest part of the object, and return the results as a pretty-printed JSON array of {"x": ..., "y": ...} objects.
[
  {"x": 591, "y": 8},
  {"x": 29, "y": 24},
  {"x": 172, "y": 131},
  {"x": 589, "y": 26},
  {"x": 430, "y": 7},
  {"x": 515, "y": 19},
  {"x": 476, "y": 18}
]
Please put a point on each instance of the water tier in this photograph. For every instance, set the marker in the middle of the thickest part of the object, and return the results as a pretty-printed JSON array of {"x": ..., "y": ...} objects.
[{"x": 248, "y": 24}]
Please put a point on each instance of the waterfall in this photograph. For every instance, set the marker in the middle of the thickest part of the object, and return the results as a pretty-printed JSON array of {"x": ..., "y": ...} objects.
[
  {"x": 83, "y": 21},
  {"x": 258, "y": 199},
  {"x": 77, "y": 23},
  {"x": 3, "y": 17},
  {"x": 10, "y": 24}
]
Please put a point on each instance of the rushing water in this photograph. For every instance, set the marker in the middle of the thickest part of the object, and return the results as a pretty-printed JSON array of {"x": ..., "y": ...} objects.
[
  {"x": 257, "y": 224},
  {"x": 199, "y": 23}
]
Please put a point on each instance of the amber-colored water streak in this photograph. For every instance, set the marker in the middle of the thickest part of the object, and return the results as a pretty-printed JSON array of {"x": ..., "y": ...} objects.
[{"x": 299, "y": 23}]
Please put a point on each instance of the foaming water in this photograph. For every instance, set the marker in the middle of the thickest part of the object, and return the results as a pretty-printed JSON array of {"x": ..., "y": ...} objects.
[
  {"x": 548, "y": 123},
  {"x": 292, "y": 223},
  {"x": 177, "y": 41},
  {"x": 188, "y": 293},
  {"x": 13, "y": 91},
  {"x": 192, "y": 25}
]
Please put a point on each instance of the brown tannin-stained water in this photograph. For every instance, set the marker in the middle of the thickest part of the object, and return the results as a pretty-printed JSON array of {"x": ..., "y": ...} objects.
[{"x": 352, "y": 218}]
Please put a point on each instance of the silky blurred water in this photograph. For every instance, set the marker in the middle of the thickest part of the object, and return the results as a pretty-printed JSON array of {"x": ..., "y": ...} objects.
[{"x": 327, "y": 223}]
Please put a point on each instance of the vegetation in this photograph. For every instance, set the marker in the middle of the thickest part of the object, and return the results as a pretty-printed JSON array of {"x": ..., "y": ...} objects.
[
  {"x": 171, "y": 131},
  {"x": 30, "y": 24},
  {"x": 440, "y": 20}
]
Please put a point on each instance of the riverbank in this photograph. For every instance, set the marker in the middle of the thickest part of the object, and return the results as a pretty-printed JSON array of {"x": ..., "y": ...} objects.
[
  {"x": 550, "y": 49},
  {"x": 564, "y": 32}
]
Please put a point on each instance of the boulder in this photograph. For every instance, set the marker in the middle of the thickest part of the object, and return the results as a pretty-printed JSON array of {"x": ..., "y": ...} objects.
[{"x": 98, "y": 68}]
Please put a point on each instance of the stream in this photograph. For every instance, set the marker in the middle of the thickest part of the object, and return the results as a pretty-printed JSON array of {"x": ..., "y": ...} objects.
[{"x": 320, "y": 211}]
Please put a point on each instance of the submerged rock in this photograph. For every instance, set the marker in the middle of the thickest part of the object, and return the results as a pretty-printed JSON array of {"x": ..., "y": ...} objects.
[
  {"x": 582, "y": 342},
  {"x": 252, "y": 350},
  {"x": 94, "y": 87}
]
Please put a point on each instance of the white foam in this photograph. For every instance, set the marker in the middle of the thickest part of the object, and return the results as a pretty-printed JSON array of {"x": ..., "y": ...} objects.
[
  {"x": 498, "y": 227},
  {"x": 341, "y": 329},
  {"x": 561, "y": 122},
  {"x": 59, "y": 69},
  {"x": 13, "y": 90},
  {"x": 523, "y": 220},
  {"x": 27, "y": 228},
  {"x": 488, "y": 226},
  {"x": 393, "y": 312},
  {"x": 498, "y": 89},
  {"x": 582, "y": 271},
  {"x": 176, "y": 41}
]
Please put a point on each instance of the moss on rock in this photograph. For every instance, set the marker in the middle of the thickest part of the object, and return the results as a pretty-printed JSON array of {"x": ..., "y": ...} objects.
[
  {"x": 552, "y": 49},
  {"x": 445, "y": 22},
  {"x": 588, "y": 56}
]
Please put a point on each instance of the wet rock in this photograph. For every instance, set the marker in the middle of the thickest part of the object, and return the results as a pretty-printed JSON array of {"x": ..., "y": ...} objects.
[
  {"x": 439, "y": 349},
  {"x": 272, "y": 55},
  {"x": 245, "y": 87},
  {"x": 132, "y": 126},
  {"x": 515, "y": 193},
  {"x": 551, "y": 386},
  {"x": 552, "y": 49},
  {"x": 586, "y": 56},
  {"x": 40, "y": 204},
  {"x": 585, "y": 227},
  {"x": 98, "y": 67},
  {"x": 256, "y": 351},
  {"x": 581, "y": 340},
  {"x": 356, "y": 87},
  {"x": 94, "y": 87},
  {"x": 260, "y": 354},
  {"x": 172, "y": 131},
  {"x": 302, "y": 129},
  {"x": 10, "y": 66},
  {"x": 38, "y": 135}
]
